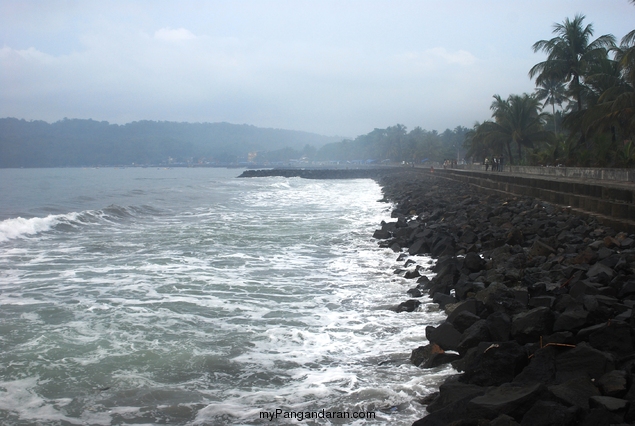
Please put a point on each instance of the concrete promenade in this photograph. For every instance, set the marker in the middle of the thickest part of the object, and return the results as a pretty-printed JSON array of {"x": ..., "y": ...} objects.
[{"x": 607, "y": 194}]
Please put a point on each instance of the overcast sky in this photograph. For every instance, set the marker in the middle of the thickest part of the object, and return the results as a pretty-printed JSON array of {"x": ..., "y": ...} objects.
[{"x": 330, "y": 67}]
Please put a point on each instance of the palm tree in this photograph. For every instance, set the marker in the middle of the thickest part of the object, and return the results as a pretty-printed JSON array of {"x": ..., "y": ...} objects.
[
  {"x": 516, "y": 120},
  {"x": 552, "y": 91},
  {"x": 570, "y": 55},
  {"x": 615, "y": 109}
]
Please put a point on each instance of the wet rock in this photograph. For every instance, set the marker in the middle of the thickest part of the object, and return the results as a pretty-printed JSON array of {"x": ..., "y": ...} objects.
[
  {"x": 422, "y": 353},
  {"x": 408, "y": 306},
  {"x": 443, "y": 299},
  {"x": 381, "y": 234},
  {"x": 464, "y": 320},
  {"x": 445, "y": 335},
  {"x": 412, "y": 274},
  {"x": 414, "y": 292}
]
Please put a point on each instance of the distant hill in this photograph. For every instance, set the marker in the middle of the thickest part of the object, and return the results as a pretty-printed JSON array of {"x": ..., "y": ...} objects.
[{"x": 75, "y": 142}]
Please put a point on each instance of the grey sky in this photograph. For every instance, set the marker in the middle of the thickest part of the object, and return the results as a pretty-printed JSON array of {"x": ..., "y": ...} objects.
[{"x": 330, "y": 67}]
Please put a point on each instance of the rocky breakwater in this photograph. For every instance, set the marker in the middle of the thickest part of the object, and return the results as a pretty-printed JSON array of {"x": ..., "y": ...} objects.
[
  {"x": 358, "y": 173},
  {"x": 540, "y": 321}
]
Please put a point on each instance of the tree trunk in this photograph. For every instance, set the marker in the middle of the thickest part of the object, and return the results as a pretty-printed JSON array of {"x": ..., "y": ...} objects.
[{"x": 509, "y": 152}]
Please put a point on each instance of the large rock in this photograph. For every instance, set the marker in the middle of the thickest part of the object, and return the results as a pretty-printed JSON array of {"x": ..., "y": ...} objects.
[
  {"x": 614, "y": 383},
  {"x": 500, "y": 326},
  {"x": 464, "y": 320},
  {"x": 419, "y": 247},
  {"x": 540, "y": 249},
  {"x": 583, "y": 360},
  {"x": 445, "y": 335},
  {"x": 381, "y": 234},
  {"x": 614, "y": 337},
  {"x": 549, "y": 413},
  {"x": 541, "y": 368},
  {"x": 453, "y": 392},
  {"x": 423, "y": 353},
  {"x": 475, "y": 334},
  {"x": 473, "y": 262},
  {"x": 529, "y": 326},
  {"x": 497, "y": 297},
  {"x": 575, "y": 392},
  {"x": 511, "y": 399},
  {"x": 492, "y": 364},
  {"x": 408, "y": 306},
  {"x": 608, "y": 403},
  {"x": 571, "y": 320},
  {"x": 451, "y": 405}
]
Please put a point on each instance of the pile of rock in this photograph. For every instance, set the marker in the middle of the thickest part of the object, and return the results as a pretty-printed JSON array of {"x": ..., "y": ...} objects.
[{"x": 539, "y": 301}]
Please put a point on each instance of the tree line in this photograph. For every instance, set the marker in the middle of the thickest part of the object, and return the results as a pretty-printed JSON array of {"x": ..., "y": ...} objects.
[
  {"x": 78, "y": 142},
  {"x": 396, "y": 144},
  {"x": 591, "y": 81}
]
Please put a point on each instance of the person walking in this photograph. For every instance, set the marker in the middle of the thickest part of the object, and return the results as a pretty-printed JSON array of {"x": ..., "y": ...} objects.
[{"x": 486, "y": 164}]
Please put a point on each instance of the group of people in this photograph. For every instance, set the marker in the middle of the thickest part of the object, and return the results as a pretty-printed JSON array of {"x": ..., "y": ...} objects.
[
  {"x": 496, "y": 163},
  {"x": 449, "y": 163}
]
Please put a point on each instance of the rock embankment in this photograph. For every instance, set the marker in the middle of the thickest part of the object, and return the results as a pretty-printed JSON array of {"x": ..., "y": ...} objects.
[
  {"x": 540, "y": 305},
  {"x": 362, "y": 173}
]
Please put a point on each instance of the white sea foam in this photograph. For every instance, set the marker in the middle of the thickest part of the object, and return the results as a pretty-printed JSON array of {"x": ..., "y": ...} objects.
[
  {"x": 275, "y": 296},
  {"x": 20, "y": 227}
]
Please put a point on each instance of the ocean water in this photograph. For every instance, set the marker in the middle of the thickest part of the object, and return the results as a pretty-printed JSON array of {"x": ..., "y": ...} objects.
[{"x": 191, "y": 297}]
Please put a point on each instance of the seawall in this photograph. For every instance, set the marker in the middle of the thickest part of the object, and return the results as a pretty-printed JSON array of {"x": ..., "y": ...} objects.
[{"x": 539, "y": 295}]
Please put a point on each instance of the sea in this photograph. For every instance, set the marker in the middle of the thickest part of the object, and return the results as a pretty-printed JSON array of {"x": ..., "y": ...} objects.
[{"x": 189, "y": 296}]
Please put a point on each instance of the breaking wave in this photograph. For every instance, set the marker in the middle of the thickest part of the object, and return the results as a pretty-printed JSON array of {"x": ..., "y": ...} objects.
[{"x": 20, "y": 227}]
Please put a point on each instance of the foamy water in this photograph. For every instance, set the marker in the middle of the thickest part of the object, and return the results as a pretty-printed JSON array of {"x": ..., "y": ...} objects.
[{"x": 191, "y": 297}]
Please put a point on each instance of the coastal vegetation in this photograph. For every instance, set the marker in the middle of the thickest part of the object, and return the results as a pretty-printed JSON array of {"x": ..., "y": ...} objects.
[
  {"x": 592, "y": 81},
  {"x": 396, "y": 144}
]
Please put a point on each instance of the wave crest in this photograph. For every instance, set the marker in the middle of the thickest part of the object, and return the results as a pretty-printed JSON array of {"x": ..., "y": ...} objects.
[{"x": 21, "y": 227}]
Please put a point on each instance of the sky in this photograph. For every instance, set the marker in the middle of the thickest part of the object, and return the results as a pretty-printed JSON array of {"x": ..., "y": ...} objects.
[{"x": 337, "y": 68}]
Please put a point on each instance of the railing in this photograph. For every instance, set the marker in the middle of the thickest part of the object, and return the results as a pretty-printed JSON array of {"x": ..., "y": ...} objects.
[{"x": 616, "y": 175}]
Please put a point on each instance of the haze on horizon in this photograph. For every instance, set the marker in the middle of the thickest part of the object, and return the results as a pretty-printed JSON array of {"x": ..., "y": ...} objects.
[{"x": 328, "y": 67}]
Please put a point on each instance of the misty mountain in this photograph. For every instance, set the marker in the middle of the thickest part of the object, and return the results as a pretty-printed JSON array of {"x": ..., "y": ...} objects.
[{"x": 78, "y": 142}]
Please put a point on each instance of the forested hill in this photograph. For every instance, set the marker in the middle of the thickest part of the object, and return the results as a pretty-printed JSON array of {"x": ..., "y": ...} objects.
[{"x": 75, "y": 142}]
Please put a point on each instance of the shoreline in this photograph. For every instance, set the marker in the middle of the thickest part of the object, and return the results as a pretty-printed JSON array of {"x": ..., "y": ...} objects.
[{"x": 539, "y": 303}]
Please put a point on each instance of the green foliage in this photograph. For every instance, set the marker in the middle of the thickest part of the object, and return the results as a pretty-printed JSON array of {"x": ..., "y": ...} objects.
[
  {"x": 396, "y": 144},
  {"x": 599, "y": 114},
  {"x": 517, "y": 124}
]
